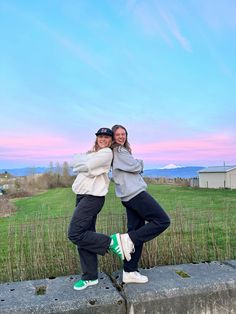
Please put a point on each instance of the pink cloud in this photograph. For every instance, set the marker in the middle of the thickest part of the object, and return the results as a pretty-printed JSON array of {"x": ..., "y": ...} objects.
[
  {"x": 213, "y": 148},
  {"x": 30, "y": 141},
  {"x": 39, "y": 148}
]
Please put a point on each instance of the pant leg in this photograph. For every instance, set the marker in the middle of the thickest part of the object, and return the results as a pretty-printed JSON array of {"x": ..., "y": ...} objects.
[
  {"x": 134, "y": 222},
  {"x": 147, "y": 207},
  {"x": 80, "y": 229},
  {"x": 89, "y": 261},
  {"x": 82, "y": 232}
]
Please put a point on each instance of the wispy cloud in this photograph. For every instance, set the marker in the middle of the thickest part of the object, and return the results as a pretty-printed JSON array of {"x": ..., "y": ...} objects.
[
  {"x": 149, "y": 21},
  {"x": 174, "y": 29},
  {"x": 155, "y": 19}
]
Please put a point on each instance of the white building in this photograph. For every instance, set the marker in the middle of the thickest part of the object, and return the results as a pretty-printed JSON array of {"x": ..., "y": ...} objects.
[{"x": 218, "y": 177}]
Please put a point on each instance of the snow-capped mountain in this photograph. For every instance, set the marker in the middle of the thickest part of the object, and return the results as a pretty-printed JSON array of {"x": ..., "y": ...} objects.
[{"x": 170, "y": 166}]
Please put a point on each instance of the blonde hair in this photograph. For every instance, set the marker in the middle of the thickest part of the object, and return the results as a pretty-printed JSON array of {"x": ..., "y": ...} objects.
[
  {"x": 126, "y": 144},
  {"x": 95, "y": 147}
]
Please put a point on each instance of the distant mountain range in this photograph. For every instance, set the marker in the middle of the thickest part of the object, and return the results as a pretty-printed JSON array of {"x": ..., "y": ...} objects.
[
  {"x": 18, "y": 172},
  {"x": 179, "y": 172},
  {"x": 169, "y": 171}
]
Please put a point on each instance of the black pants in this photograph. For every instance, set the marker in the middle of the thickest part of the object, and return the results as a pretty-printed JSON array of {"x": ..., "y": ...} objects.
[
  {"x": 82, "y": 232},
  {"x": 141, "y": 208}
]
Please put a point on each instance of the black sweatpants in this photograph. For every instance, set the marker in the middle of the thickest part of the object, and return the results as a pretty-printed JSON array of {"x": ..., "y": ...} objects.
[
  {"x": 141, "y": 208},
  {"x": 82, "y": 232}
]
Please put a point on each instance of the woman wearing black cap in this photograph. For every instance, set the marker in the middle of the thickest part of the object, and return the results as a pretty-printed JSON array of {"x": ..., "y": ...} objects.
[{"x": 91, "y": 186}]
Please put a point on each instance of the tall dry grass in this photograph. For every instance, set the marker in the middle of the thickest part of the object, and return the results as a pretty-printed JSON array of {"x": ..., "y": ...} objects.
[{"x": 39, "y": 248}]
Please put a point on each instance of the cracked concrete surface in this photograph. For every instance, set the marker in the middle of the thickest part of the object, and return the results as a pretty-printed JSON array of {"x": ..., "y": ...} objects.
[{"x": 187, "y": 288}]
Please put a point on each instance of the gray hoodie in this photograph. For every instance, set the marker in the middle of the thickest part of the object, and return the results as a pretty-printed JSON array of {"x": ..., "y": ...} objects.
[{"x": 126, "y": 173}]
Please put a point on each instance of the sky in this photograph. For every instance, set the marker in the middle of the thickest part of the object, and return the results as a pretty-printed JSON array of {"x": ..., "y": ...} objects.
[{"x": 165, "y": 69}]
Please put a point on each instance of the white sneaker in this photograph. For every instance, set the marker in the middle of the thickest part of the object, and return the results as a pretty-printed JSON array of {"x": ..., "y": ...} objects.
[
  {"x": 134, "y": 277},
  {"x": 127, "y": 246}
]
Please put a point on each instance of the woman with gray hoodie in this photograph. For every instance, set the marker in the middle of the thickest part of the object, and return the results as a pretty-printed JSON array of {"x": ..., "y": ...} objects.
[{"x": 140, "y": 206}]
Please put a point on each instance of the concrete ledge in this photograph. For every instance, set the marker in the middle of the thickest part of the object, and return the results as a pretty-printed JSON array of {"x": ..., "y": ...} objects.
[
  {"x": 57, "y": 296},
  {"x": 231, "y": 263},
  {"x": 187, "y": 288},
  {"x": 180, "y": 289}
]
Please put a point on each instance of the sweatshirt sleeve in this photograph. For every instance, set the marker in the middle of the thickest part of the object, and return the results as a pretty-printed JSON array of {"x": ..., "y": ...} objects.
[
  {"x": 124, "y": 161},
  {"x": 79, "y": 163},
  {"x": 100, "y": 162}
]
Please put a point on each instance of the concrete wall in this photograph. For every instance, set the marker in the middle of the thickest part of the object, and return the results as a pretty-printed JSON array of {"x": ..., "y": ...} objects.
[{"x": 188, "y": 288}]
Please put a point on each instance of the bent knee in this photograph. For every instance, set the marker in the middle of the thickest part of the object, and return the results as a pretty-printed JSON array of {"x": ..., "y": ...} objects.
[
  {"x": 74, "y": 236},
  {"x": 163, "y": 225},
  {"x": 77, "y": 237},
  {"x": 166, "y": 224},
  {"x": 71, "y": 237}
]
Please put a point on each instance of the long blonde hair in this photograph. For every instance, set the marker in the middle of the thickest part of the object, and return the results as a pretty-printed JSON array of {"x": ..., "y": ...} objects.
[
  {"x": 95, "y": 147},
  {"x": 126, "y": 144}
]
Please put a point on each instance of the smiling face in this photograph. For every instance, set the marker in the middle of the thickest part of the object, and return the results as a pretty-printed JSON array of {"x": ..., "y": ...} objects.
[
  {"x": 120, "y": 136},
  {"x": 104, "y": 141}
]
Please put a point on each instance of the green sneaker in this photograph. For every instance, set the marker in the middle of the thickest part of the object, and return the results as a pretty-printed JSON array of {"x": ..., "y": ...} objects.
[
  {"x": 82, "y": 284},
  {"x": 116, "y": 246}
]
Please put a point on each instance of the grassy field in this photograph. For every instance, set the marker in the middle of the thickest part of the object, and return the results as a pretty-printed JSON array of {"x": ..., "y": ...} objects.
[{"x": 33, "y": 240}]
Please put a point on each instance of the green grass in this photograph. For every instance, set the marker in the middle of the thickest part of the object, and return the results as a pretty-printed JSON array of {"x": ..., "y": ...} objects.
[
  {"x": 33, "y": 241},
  {"x": 60, "y": 202}
]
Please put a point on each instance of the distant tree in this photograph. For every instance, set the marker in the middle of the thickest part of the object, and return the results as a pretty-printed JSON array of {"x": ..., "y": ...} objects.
[
  {"x": 58, "y": 172},
  {"x": 66, "y": 180},
  {"x": 51, "y": 168}
]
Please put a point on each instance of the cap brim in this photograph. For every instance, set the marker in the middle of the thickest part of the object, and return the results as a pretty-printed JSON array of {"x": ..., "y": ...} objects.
[{"x": 103, "y": 134}]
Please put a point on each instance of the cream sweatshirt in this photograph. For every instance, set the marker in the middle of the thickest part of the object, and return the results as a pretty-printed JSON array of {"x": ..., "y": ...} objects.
[{"x": 92, "y": 169}]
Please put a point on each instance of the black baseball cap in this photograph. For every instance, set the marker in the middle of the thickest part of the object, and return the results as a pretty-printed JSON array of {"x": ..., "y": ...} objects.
[{"x": 104, "y": 131}]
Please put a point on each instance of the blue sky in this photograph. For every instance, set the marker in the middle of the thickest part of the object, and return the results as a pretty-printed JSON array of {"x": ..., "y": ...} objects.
[{"x": 164, "y": 69}]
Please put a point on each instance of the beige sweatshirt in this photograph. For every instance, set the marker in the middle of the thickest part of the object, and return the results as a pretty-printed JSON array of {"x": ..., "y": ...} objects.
[{"x": 92, "y": 169}]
